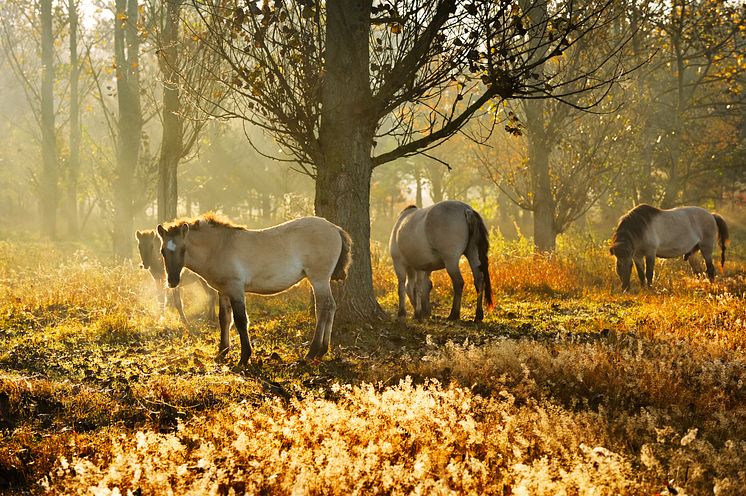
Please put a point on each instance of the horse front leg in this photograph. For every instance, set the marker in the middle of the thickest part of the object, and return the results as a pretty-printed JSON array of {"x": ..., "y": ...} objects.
[
  {"x": 176, "y": 293},
  {"x": 160, "y": 294},
  {"x": 458, "y": 288},
  {"x": 649, "y": 268},
  {"x": 241, "y": 320},
  {"x": 212, "y": 300},
  {"x": 225, "y": 318},
  {"x": 640, "y": 267},
  {"x": 325, "y": 309}
]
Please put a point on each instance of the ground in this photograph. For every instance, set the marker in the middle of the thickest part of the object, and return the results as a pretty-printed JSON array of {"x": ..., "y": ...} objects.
[{"x": 567, "y": 387}]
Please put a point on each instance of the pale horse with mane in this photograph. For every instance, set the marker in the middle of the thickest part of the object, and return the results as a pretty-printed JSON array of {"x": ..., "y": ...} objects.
[
  {"x": 647, "y": 232},
  {"x": 433, "y": 238},
  {"x": 235, "y": 260},
  {"x": 149, "y": 246}
]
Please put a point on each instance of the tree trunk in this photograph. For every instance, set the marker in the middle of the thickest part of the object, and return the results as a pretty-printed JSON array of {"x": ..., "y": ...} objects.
[
  {"x": 73, "y": 172},
  {"x": 172, "y": 143},
  {"x": 48, "y": 183},
  {"x": 538, "y": 163},
  {"x": 538, "y": 145},
  {"x": 346, "y": 138},
  {"x": 418, "y": 186},
  {"x": 126, "y": 53}
]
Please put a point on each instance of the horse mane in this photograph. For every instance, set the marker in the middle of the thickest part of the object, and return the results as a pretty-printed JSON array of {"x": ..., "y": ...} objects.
[
  {"x": 633, "y": 224},
  {"x": 208, "y": 219}
]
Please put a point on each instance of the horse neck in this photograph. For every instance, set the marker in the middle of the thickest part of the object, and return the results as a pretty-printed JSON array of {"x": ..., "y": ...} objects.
[
  {"x": 157, "y": 268},
  {"x": 201, "y": 246}
]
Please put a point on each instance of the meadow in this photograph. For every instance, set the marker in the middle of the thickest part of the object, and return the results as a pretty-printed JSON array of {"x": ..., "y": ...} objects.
[{"x": 567, "y": 387}]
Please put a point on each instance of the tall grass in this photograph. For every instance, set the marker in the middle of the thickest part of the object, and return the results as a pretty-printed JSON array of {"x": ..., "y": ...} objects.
[{"x": 568, "y": 387}]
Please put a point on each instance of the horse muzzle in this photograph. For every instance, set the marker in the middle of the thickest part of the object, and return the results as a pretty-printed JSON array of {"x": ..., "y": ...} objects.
[{"x": 172, "y": 283}]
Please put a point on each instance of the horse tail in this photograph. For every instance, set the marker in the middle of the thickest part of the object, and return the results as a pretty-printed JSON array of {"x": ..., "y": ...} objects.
[
  {"x": 479, "y": 235},
  {"x": 723, "y": 236},
  {"x": 345, "y": 257}
]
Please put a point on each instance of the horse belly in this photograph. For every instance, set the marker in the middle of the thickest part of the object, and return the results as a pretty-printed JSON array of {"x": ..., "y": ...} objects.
[{"x": 276, "y": 281}]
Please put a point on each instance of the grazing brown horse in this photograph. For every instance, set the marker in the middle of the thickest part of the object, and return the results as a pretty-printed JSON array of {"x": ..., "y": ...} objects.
[
  {"x": 149, "y": 245},
  {"x": 433, "y": 238},
  {"x": 647, "y": 232},
  {"x": 235, "y": 260}
]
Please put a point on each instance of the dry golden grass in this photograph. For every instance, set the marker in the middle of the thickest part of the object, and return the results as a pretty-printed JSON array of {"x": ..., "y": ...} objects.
[{"x": 568, "y": 387}]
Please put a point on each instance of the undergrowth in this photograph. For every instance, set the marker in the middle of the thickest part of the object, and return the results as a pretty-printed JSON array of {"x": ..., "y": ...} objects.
[{"x": 567, "y": 387}]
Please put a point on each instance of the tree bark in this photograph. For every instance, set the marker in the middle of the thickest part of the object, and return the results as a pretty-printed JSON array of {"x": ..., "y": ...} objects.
[
  {"x": 538, "y": 163},
  {"x": 48, "y": 184},
  {"x": 126, "y": 53},
  {"x": 346, "y": 139},
  {"x": 538, "y": 146},
  {"x": 74, "y": 161},
  {"x": 172, "y": 146}
]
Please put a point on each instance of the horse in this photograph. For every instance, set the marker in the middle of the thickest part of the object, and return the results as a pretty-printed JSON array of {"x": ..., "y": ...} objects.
[
  {"x": 647, "y": 232},
  {"x": 433, "y": 238},
  {"x": 234, "y": 260},
  {"x": 149, "y": 246}
]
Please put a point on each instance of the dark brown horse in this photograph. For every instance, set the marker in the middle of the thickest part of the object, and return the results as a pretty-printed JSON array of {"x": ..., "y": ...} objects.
[{"x": 647, "y": 232}]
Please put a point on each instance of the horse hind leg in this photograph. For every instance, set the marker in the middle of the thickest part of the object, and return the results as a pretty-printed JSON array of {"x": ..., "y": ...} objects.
[
  {"x": 479, "y": 283},
  {"x": 707, "y": 255},
  {"x": 325, "y": 309},
  {"x": 401, "y": 282},
  {"x": 411, "y": 290},
  {"x": 458, "y": 288},
  {"x": 424, "y": 287}
]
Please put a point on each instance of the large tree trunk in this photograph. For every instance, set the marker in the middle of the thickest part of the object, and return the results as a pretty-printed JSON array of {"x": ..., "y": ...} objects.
[
  {"x": 126, "y": 53},
  {"x": 48, "y": 183},
  {"x": 172, "y": 144},
  {"x": 538, "y": 163},
  {"x": 346, "y": 138},
  {"x": 74, "y": 162}
]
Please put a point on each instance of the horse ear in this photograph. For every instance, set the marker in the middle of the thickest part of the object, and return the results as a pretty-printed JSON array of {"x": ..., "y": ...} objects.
[
  {"x": 138, "y": 235},
  {"x": 184, "y": 229},
  {"x": 161, "y": 231}
]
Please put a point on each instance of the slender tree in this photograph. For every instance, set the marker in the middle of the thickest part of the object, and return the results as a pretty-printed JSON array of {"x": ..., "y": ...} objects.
[
  {"x": 129, "y": 124},
  {"x": 50, "y": 174},
  {"x": 73, "y": 166},
  {"x": 172, "y": 143}
]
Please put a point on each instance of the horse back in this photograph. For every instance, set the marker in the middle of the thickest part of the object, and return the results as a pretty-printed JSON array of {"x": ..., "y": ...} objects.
[
  {"x": 427, "y": 237},
  {"x": 274, "y": 259},
  {"x": 678, "y": 230}
]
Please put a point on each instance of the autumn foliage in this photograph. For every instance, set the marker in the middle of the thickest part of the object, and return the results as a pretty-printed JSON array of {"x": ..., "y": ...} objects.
[{"x": 568, "y": 387}]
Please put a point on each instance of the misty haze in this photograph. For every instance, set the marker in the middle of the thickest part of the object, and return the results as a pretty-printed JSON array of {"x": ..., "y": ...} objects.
[{"x": 372, "y": 247}]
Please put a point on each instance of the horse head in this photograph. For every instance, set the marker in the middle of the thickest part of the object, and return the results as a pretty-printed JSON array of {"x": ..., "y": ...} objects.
[
  {"x": 622, "y": 248},
  {"x": 173, "y": 250},
  {"x": 148, "y": 245}
]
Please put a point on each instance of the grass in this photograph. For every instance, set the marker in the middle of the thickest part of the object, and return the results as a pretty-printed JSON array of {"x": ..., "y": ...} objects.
[{"x": 568, "y": 387}]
